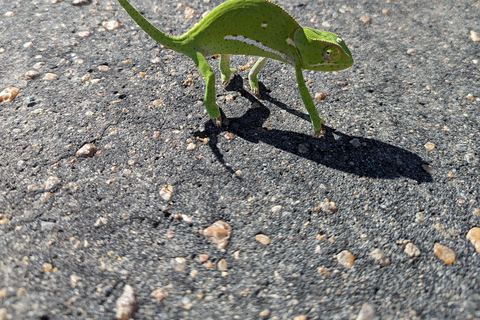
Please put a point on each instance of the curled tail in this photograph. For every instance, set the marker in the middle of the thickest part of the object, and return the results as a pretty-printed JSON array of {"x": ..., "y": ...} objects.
[{"x": 157, "y": 35}]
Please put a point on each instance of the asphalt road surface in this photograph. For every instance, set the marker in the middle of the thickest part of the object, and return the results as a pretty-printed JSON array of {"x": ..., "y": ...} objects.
[{"x": 369, "y": 221}]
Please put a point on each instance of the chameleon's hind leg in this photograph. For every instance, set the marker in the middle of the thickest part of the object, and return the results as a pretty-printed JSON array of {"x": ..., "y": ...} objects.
[
  {"x": 317, "y": 121},
  {"x": 225, "y": 69},
  {"x": 253, "y": 75},
  {"x": 209, "y": 77}
]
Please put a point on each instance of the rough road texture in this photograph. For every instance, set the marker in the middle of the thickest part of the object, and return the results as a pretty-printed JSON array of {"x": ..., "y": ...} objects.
[{"x": 399, "y": 164}]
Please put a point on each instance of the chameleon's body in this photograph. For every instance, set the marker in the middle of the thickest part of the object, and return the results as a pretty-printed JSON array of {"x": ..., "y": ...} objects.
[{"x": 259, "y": 28}]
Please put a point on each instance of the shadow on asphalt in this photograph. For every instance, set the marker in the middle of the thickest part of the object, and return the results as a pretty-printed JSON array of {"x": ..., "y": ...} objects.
[{"x": 351, "y": 154}]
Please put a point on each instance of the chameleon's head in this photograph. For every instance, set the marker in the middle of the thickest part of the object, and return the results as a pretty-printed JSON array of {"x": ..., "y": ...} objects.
[{"x": 321, "y": 50}]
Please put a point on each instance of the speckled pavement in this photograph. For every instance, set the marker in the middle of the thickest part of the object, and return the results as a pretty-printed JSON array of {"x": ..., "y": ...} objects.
[{"x": 395, "y": 176}]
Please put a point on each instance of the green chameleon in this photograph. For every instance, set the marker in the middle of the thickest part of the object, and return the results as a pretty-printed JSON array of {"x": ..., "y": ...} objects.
[{"x": 259, "y": 28}]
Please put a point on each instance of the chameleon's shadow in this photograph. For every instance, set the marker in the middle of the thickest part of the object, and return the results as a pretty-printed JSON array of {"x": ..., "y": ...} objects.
[{"x": 351, "y": 154}]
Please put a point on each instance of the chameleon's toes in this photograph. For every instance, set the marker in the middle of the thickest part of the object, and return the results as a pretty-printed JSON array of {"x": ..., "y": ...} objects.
[
  {"x": 256, "y": 93},
  {"x": 218, "y": 122},
  {"x": 320, "y": 132},
  {"x": 225, "y": 83}
]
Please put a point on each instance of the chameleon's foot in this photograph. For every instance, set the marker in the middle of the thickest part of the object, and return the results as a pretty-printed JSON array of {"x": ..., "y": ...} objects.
[
  {"x": 228, "y": 78},
  {"x": 256, "y": 93},
  {"x": 320, "y": 132},
  {"x": 218, "y": 122}
]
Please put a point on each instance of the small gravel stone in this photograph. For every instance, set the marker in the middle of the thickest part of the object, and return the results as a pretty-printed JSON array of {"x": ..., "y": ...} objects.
[
  {"x": 474, "y": 236},
  {"x": 191, "y": 146},
  {"x": 412, "y": 250},
  {"x": 346, "y": 259},
  {"x": 126, "y": 304},
  {"x": 111, "y": 25},
  {"x": 51, "y": 183},
  {"x": 103, "y": 68},
  {"x": 3, "y": 314},
  {"x": 203, "y": 257},
  {"x": 179, "y": 264},
  {"x": 302, "y": 317},
  {"x": 265, "y": 313},
  {"x": 476, "y": 212},
  {"x": 87, "y": 150},
  {"x": 356, "y": 143},
  {"x": 46, "y": 267},
  {"x": 158, "y": 294},
  {"x": 228, "y": 136},
  {"x": 320, "y": 96},
  {"x": 276, "y": 208},
  {"x": 380, "y": 256},
  {"x": 474, "y": 36},
  {"x": 429, "y": 146},
  {"x": 365, "y": 19},
  {"x": 219, "y": 233},
  {"x": 222, "y": 265},
  {"x": 8, "y": 94},
  {"x": 328, "y": 207},
  {"x": 31, "y": 74},
  {"x": 49, "y": 76},
  {"x": 80, "y": 2},
  {"x": 166, "y": 192},
  {"x": 444, "y": 253},
  {"x": 366, "y": 313},
  {"x": 263, "y": 239}
]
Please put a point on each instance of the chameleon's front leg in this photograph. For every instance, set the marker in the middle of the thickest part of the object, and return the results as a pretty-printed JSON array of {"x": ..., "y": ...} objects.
[
  {"x": 225, "y": 69},
  {"x": 209, "y": 77},
  {"x": 253, "y": 75},
  {"x": 317, "y": 121}
]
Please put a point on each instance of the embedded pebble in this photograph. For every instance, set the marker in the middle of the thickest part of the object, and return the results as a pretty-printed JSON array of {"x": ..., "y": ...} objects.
[
  {"x": 166, "y": 192},
  {"x": 46, "y": 267},
  {"x": 380, "y": 256},
  {"x": 87, "y": 150},
  {"x": 103, "y": 68},
  {"x": 219, "y": 233},
  {"x": 228, "y": 136},
  {"x": 429, "y": 146},
  {"x": 328, "y": 207},
  {"x": 356, "y": 143},
  {"x": 365, "y": 19},
  {"x": 412, "y": 250},
  {"x": 51, "y": 183},
  {"x": 80, "y": 2},
  {"x": 8, "y": 94},
  {"x": 111, "y": 25},
  {"x": 276, "y": 208},
  {"x": 191, "y": 146},
  {"x": 302, "y": 148},
  {"x": 320, "y": 96},
  {"x": 263, "y": 239},
  {"x": 476, "y": 212},
  {"x": 83, "y": 34},
  {"x": 302, "y": 317},
  {"x": 179, "y": 264},
  {"x": 49, "y": 76},
  {"x": 474, "y": 236},
  {"x": 202, "y": 257},
  {"x": 366, "y": 313},
  {"x": 474, "y": 36},
  {"x": 346, "y": 259},
  {"x": 265, "y": 313},
  {"x": 31, "y": 74},
  {"x": 222, "y": 265},
  {"x": 158, "y": 294},
  {"x": 3, "y": 314},
  {"x": 444, "y": 253},
  {"x": 471, "y": 97},
  {"x": 126, "y": 304}
]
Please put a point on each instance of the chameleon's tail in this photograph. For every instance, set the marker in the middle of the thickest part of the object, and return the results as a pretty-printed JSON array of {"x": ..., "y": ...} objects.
[{"x": 162, "y": 38}]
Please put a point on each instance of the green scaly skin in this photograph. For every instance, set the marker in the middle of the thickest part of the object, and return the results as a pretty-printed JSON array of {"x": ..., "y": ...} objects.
[{"x": 259, "y": 28}]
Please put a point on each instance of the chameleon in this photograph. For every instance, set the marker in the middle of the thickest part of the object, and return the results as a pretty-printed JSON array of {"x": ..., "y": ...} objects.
[{"x": 258, "y": 28}]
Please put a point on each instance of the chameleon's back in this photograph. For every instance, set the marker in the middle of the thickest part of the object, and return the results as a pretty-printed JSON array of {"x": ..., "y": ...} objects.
[{"x": 253, "y": 27}]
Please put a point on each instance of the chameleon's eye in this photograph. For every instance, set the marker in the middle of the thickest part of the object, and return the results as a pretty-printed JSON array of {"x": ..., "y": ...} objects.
[{"x": 331, "y": 53}]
